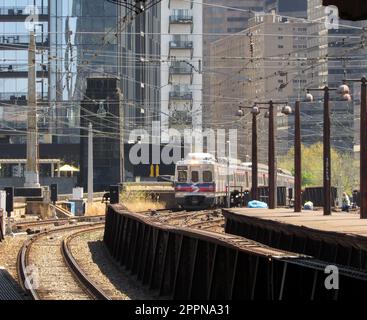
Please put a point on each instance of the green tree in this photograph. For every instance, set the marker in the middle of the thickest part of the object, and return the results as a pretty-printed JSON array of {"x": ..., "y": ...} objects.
[{"x": 344, "y": 168}]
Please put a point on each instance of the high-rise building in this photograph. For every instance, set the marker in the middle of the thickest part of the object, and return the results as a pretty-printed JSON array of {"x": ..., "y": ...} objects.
[
  {"x": 220, "y": 19},
  {"x": 14, "y": 41},
  {"x": 336, "y": 46},
  {"x": 181, "y": 64},
  {"x": 261, "y": 63},
  {"x": 83, "y": 44},
  {"x": 139, "y": 67},
  {"x": 71, "y": 46},
  {"x": 102, "y": 108},
  {"x": 289, "y": 8},
  {"x": 337, "y": 50}
]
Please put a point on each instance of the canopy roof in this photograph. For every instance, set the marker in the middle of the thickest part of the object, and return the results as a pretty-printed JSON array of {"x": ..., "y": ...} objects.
[{"x": 68, "y": 168}]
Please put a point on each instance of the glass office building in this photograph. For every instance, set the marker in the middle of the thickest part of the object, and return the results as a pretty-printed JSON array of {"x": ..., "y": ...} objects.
[
  {"x": 71, "y": 45},
  {"x": 14, "y": 40},
  {"x": 139, "y": 53},
  {"x": 83, "y": 44}
]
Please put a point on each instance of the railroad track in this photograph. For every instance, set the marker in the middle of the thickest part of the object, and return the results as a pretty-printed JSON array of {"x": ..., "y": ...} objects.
[
  {"x": 41, "y": 223},
  {"x": 211, "y": 220},
  {"x": 48, "y": 271}
]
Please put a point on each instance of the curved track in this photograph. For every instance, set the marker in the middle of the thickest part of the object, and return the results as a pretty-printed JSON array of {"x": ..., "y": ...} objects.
[
  {"x": 38, "y": 223},
  {"x": 48, "y": 271}
]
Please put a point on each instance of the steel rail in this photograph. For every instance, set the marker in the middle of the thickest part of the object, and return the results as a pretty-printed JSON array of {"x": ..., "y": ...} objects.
[
  {"x": 23, "y": 257},
  {"x": 91, "y": 287}
]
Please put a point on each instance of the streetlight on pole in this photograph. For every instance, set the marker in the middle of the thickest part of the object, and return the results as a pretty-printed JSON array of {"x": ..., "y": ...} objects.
[
  {"x": 297, "y": 159},
  {"x": 298, "y": 154},
  {"x": 363, "y": 145},
  {"x": 272, "y": 173},
  {"x": 326, "y": 141},
  {"x": 255, "y": 110}
]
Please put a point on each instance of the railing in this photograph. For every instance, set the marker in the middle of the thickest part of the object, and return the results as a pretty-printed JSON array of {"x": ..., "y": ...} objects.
[
  {"x": 21, "y": 11},
  {"x": 180, "y": 95},
  {"x": 180, "y": 118},
  {"x": 181, "y": 17},
  {"x": 180, "y": 68},
  {"x": 19, "y": 39},
  {"x": 180, "y": 44},
  {"x": 12, "y": 96}
]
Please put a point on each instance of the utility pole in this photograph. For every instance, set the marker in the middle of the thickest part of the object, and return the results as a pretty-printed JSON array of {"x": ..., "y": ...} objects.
[
  {"x": 272, "y": 160},
  {"x": 326, "y": 140},
  {"x": 327, "y": 154},
  {"x": 228, "y": 175},
  {"x": 31, "y": 170},
  {"x": 363, "y": 150},
  {"x": 90, "y": 163},
  {"x": 271, "y": 147},
  {"x": 297, "y": 160},
  {"x": 122, "y": 144},
  {"x": 254, "y": 165},
  {"x": 344, "y": 89}
]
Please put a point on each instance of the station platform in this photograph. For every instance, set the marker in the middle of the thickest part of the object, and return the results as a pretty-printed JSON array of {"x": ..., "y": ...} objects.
[
  {"x": 9, "y": 289},
  {"x": 340, "y": 238}
]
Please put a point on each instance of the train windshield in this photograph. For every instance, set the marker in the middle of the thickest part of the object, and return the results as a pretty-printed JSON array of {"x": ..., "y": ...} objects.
[
  {"x": 194, "y": 176},
  {"x": 182, "y": 176},
  {"x": 207, "y": 176}
]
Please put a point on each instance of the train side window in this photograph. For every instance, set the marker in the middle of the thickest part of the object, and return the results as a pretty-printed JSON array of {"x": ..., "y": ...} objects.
[
  {"x": 207, "y": 176},
  {"x": 182, "y": 176},
  {"x": 195, "y": 176}
]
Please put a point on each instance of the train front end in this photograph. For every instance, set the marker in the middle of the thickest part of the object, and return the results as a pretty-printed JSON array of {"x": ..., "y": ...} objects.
[{"x": 195, "y": 183}]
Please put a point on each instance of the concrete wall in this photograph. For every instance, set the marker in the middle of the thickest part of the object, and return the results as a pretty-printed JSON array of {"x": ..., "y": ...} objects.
[{"x": 65, "y": 184}]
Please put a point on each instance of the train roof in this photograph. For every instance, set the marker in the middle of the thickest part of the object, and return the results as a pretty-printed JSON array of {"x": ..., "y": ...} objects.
[
  {"x": 200, "y": 156},
  {"x": 209, "y": 158}
]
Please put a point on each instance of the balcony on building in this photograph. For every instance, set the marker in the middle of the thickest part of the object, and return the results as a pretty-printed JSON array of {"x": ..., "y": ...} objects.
[
  {"x": 180, "y": 72},
  {"x": 20, "y": 13},
  {"x": 171, "y": 3},
  {"x": 181, "y": 17},
  {"x": 180, "y": 119},
  {"x": 180, "y": 94},
  {"x": 181, "y": 46}
]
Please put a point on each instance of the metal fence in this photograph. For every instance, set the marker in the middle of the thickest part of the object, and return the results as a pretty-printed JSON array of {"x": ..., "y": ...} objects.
[
  {"x": 187, "y": 264},
  {"x": 316, "y": 196},
  {"x": 263, "y": 195}
]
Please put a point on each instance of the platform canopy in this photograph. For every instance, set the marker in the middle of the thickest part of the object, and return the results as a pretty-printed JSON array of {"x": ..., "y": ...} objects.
[
  {"x": 68, "y": 168},
  {"x": 353, "y": 10}
]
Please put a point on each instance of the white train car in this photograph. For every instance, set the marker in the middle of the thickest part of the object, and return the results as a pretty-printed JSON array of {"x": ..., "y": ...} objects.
[{"x": 201, "y": 180}]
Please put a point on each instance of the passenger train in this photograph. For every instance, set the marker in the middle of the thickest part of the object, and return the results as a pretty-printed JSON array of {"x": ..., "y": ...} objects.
[{"x": 201, "y": 180}]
